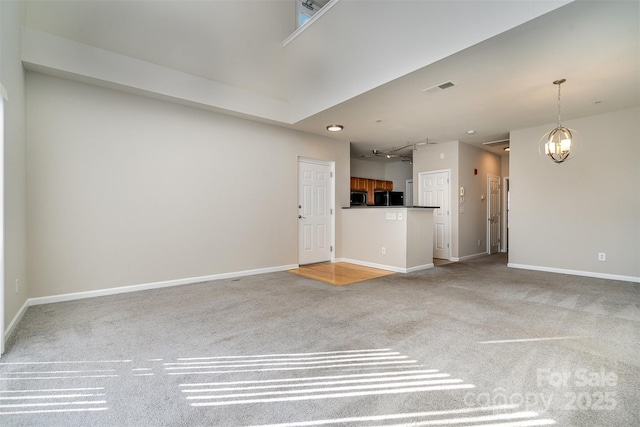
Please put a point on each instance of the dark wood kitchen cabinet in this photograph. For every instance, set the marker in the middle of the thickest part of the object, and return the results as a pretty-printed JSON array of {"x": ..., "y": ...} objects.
[
  {"x": 358, "y": 184},
  {"x": 370, "y": 186}
]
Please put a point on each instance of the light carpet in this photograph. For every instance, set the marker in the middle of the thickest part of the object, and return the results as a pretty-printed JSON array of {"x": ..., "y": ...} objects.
[{"x": 470, "y": 343}]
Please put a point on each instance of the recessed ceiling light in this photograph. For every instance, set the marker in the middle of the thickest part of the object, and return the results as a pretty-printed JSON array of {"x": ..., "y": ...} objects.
[
  {"x": 506, "y": 149},
  {"x": 335, "y": 128},
  {"x": 471, "y": 132}
]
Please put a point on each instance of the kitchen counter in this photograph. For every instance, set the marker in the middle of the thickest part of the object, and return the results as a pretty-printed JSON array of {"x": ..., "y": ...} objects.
[
  {"x": 395, "y": 238},
  {"x": 389, "y": 207}
]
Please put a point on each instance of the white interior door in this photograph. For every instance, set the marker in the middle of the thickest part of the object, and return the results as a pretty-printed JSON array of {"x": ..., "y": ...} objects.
[
  {"x": 493, "y": 214},
  {"x": 434, "y": 190},
  {"x": 315, "y": 211}
]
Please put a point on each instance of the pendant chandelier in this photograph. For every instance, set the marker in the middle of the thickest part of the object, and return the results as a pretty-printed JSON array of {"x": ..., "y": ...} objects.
[{"x": 559, "y": 142}]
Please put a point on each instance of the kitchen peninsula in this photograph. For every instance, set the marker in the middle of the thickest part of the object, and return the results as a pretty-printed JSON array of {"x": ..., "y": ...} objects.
[{"x": 395, "y": 238}]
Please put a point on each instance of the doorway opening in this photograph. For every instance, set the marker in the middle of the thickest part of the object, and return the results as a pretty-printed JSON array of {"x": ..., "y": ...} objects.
[{"x": 505, "y": 215}]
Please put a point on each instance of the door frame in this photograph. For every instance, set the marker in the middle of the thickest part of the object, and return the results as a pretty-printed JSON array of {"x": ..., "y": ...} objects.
[
  {"x": 3, "y": 96},
  {"x": 504, "y": 246},
  {"x": 332, "y": 201},
  {"x": 448, "y": 172},
  {"x": 499, "y": 213}
]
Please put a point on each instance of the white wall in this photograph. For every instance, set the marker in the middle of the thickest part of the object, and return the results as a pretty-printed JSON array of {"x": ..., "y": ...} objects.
[
  {"x": 366, "y": 169},
  {"x": 505, "y": 165},
  {"x": 563, "y": 215},
  {"x": 15, "y": 231},
  {"x": 399, "y": 173},
  {"x": 126, "y": 190}
]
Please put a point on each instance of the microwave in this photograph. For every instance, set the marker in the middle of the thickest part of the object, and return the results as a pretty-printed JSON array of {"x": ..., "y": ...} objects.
[
  {"x": 389, "y": 198},
  {"x": 358, "y": 198}
]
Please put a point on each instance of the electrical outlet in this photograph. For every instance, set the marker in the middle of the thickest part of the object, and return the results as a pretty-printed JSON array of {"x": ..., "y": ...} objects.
[
  {"x": 383, "y": 250},
  {"x": 602, "y": 256}
]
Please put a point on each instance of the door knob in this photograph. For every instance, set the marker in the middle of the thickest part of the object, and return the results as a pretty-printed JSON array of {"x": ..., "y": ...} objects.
[{"x": 300, "y": 217}]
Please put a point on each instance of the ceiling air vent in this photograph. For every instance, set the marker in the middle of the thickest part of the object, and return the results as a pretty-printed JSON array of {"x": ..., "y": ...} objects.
[{"x": 438, "y": 88}]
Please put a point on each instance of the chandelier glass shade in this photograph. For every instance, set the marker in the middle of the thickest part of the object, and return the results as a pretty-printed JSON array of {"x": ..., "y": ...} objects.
[{"x": 558, "y": 145}]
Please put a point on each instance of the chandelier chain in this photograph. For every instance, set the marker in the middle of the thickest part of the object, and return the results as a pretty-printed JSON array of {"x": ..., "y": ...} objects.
[{"x": 559, "y": 84}]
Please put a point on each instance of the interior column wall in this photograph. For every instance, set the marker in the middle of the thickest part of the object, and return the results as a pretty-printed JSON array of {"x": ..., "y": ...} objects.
[{"x": 12, "y": 77}]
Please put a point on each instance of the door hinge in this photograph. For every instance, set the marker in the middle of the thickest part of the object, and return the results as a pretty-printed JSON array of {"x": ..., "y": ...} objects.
[
  {"x": 331, "y": 174},
  {"x": 447, "y": 246},
  {"x": 331, "y": 248},
  {"x": 330, "y": 211}
]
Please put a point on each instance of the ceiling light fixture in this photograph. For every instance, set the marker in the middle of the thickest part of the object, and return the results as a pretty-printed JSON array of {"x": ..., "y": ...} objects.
[
  {"x": 558, "y": 143},
  {"x": 415, "y": 146},
  {"x": 335, "y": 128}
]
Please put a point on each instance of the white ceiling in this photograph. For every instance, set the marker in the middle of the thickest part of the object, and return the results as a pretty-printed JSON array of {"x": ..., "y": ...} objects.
[{"x": 502, "y": 83}]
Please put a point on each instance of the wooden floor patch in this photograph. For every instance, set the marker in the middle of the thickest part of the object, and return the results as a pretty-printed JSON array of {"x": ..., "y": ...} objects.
[{"x": 339, "y": 273}]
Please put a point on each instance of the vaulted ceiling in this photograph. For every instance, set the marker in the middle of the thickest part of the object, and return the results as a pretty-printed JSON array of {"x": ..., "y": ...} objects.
[{"x": 365, "y": 65}]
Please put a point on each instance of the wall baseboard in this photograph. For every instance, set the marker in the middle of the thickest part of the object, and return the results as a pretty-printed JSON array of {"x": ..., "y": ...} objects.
[
  {"x": 576, "y": 272},
  {"x": 420, "y": 267},
  {"x": 155, "y": 285},
  {"x": 468, "y": 257},
  {"x": 388, "y": 267},
  {"x": 135, "y": 288}
]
